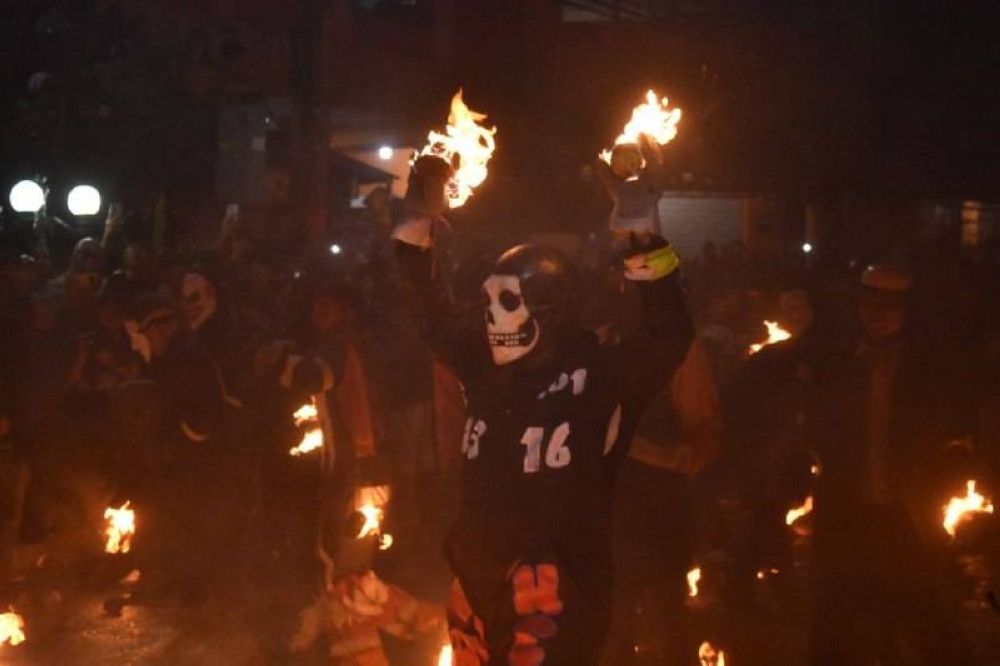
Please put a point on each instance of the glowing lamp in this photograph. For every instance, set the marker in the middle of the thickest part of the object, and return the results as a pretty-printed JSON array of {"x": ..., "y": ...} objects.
[
  {"x": 385, "y": 153},
  {"x": 335, "y": 249},
  {"x": 84, "y": 200},
  {"x": 807, "y": 247},
  {"x": 27, "y": 196}
]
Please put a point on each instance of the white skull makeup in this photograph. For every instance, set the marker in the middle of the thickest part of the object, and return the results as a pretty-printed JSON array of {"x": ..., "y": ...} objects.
[
  {"x": 199, "y": 300},
  {"x": 511, "y": 329}
]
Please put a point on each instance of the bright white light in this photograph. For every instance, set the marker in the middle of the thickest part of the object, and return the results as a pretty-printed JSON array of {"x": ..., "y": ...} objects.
[
  {"x": 807, "y": 247},
  {"x": 385, "y": 153},
  {"x": 84, "y": 200},
  {"x": 334, "y": 249},
  {"x": 27, "y": 197}
]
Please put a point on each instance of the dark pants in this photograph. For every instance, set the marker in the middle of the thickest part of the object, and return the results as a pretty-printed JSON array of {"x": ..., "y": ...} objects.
[
  {"x": 874, "y": 595},
  {"x": 654, "y": 546}
]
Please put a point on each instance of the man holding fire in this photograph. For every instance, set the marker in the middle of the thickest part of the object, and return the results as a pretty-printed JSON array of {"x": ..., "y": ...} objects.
[{"x": 550, "y": 414}]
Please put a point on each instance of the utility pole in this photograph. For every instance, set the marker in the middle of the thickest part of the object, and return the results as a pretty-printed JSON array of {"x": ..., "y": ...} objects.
[{"x": 312, "y": 41}]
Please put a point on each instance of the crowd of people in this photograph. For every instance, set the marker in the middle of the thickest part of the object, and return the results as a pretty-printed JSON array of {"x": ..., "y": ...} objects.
[{"x": 172, "y": 380}]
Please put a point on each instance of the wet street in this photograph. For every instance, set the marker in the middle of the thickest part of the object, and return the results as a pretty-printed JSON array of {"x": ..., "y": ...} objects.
[{"x": 248, "y": 620}]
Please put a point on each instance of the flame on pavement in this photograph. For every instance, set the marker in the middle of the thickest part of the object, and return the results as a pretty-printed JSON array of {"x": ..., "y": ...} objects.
[
  {"x": 312, "y": 440},
  {"x": 120, "y": 529},
  {"x": 960, "y": 508},
  {"x": 653, "y": 118},
  {"x": 467, "y": 146},
  {"x": 798, "y": 512},
  {"x": 11, "y": 628},
  {"x": 693, "y": 577},
  {"x": 774, "y": 334},
  {"x": 709, "y": 656}
]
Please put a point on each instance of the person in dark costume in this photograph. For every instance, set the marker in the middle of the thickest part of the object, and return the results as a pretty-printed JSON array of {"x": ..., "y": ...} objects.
[{"x": 550, "y": 412}]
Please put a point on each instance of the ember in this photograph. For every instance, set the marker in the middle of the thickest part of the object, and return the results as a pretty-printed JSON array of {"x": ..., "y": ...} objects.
[
  {"x": 120, "y": 529},
  {"x": 960, "y": 508},
  {"x": 651, "y": 118},
  {"x": 798, "y": 512},
  {"x": 774, "y": 334},
  {"x": 12, "y": 628},
  {"x": 693, "y": 577},
  {"x": 709, "y": 656},
  {"x": 467, "y": 146}
]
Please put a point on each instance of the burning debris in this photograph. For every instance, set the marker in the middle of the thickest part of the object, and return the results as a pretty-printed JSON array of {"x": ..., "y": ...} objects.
[
  {"x": 120, "y": 529},
  {"x": 774, "y": 334},
  {"x": 693, "y": 577},
  {"x": 467, "y": 146},
  {"x": 373, "y": 525},
  {"x": 652, "y": 118},
  {"x": 962, "y": 508},
  {"x": 798, "y": 512},
  {"x": 308, "y": 415},
  {"x": 11, "y": 628},
  {"x": 709, "y": 656}
]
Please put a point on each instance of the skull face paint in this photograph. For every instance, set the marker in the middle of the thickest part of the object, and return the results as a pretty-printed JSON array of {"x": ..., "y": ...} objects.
[{"x": 511, "y": 329}]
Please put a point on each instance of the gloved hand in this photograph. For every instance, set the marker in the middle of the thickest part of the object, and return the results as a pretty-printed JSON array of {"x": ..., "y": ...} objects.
[{"x": 649, "y": 257}]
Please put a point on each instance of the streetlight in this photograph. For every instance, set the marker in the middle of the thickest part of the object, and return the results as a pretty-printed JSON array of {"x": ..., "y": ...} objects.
[
  {"x": 84, "y": 200},
  {"x": 334, "y": 249},
  {"x": 27, "y": 196},
  {"x": 385, "y": 152},
  {"x": 807, "y": 247}
]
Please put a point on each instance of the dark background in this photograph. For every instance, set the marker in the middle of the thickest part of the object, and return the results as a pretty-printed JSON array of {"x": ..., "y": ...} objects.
[{"x": 814, "y": 100}]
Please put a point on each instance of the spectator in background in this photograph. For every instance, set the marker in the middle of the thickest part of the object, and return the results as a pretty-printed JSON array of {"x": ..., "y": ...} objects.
[
  {"x": 327, "y": 369},
  {"x": 189, "y": 495},
  {"x": 137, "y": 276},
  {"x": 882, "y": 423}
]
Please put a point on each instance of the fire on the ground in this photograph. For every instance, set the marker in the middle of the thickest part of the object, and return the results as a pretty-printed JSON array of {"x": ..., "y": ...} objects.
[
  {"x": 119, "y": 529},
  {"x": 11, "y": 628},
  {"x": 963, "y": 508}
]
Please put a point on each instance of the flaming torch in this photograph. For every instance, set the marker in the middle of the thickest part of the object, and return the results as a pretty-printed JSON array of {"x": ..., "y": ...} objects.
[
  {"x": 653, "y": 118},
  {"x": 962, "y": 508},
  {"x": 467, "y": 146},
  {"x": 799, "y": 511},
  {"x": 11, "y": 628},
  {"x": 120, "y": 529},
  {"x": 313, "y": 438},
  {"x": 774, "y": 334}
]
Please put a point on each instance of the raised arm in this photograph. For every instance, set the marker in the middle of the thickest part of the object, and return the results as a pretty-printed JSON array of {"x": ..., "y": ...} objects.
[
  {"x": 652, "y": 354},
  {"x": 452, "y": 333}
]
